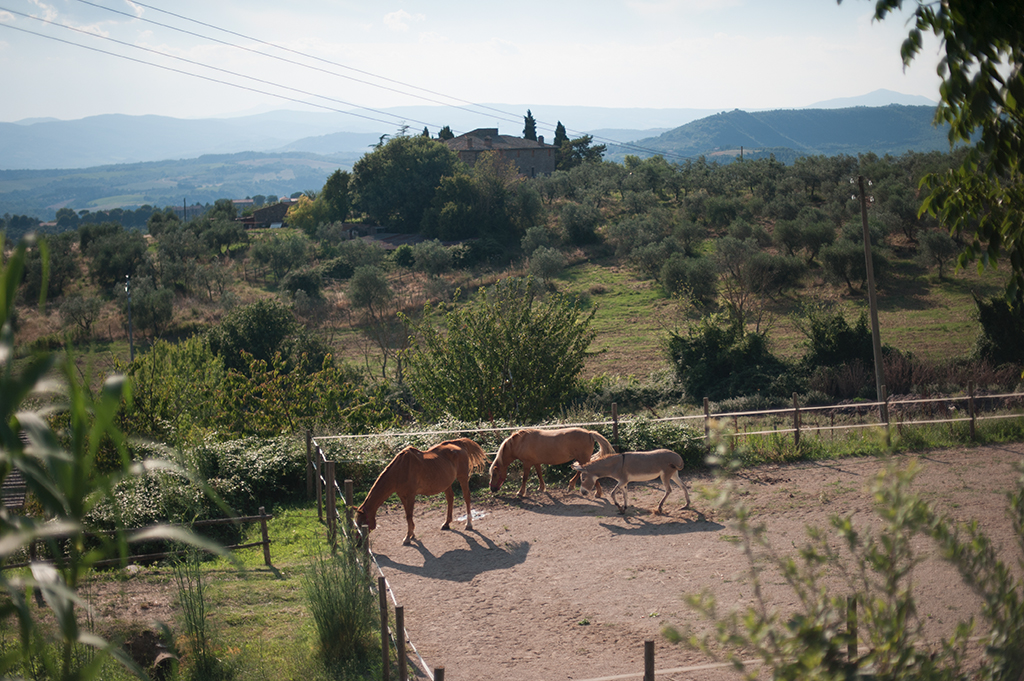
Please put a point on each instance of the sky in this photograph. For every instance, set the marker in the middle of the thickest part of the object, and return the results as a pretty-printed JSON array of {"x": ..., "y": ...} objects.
[{"x": 214, "y": 58}]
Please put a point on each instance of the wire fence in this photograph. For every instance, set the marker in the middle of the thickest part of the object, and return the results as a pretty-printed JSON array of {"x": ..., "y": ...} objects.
[{"x": 796, "y": 421}]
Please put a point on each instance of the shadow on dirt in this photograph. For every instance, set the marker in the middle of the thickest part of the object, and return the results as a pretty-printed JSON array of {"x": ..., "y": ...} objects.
[{"x": 462, "y": 565}]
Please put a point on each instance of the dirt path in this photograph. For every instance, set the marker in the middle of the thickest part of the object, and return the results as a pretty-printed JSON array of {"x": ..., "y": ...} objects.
[{"x": 558, "y": 586}]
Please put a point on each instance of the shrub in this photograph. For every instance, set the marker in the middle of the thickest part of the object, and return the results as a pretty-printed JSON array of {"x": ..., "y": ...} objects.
[
  {"x": 721, "y": 361},
  {"x": 343, "y": 606}
]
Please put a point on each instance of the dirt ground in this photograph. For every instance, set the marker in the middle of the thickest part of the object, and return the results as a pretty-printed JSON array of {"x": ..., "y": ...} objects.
[{"x": 559, "y": 586}]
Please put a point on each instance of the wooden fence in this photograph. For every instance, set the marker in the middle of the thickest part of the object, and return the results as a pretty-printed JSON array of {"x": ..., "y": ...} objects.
[
  {"x": 798, "y": 420},
  {"x": 264, "y": 542}
]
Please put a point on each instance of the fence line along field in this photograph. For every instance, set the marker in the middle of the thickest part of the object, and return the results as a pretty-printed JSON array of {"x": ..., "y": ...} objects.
[{"x": 560, "y": 586}]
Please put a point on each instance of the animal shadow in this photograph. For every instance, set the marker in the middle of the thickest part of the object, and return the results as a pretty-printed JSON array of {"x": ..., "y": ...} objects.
[{"x": 461, "y": 565}]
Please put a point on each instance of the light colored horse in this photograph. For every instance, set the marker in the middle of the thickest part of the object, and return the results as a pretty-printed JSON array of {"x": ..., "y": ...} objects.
[
  {"x": 534, "y": 447},
  {"x": 414, "y": 472},
  {"x": 630, "y": 466}
]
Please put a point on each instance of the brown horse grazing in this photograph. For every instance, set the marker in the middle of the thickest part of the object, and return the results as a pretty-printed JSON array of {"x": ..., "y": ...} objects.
[
  {"x": 534, "y": 447},
  {"x": 413, "y": 472}
]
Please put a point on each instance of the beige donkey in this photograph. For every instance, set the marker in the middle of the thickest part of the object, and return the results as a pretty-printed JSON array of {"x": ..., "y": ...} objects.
[{"x": 635, "y": 466}]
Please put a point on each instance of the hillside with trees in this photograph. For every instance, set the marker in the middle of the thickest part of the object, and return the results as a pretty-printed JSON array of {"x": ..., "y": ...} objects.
[{"x": 752, "y": 275}]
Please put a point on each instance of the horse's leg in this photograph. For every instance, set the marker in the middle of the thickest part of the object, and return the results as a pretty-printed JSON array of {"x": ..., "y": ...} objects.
[
  {"x": 449, "y": 496},
  {"x": 465, "y": 496},
  {"x": 408, "y": 503},
  {"x": 540, "y": 474},
  {"x": 625, "y": 499},
  {"x": 526, "y": 476}
]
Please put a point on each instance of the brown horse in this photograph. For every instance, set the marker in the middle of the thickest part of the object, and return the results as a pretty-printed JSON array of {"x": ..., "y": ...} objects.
[
  {"x": 413, "y": 472},
  {"x": 534, "y": 447}
]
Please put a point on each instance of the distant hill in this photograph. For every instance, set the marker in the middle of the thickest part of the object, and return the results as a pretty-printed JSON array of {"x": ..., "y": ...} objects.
[
  {"x": 40, "y": 193},
  {"x": 876, "y": 98},
  {"x": 791, "y": 133}
]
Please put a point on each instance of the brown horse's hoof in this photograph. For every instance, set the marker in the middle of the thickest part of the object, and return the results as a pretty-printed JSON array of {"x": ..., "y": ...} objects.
[
  {"x": 407, "y": 542},
  {"x": 446, "y": 526}
]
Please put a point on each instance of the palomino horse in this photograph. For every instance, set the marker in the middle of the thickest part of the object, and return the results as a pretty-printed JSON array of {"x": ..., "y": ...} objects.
[
  {"x": 534, "y": 447},
  {"x": 629, "y": 466},
  {"x": 413, "y": 472}
]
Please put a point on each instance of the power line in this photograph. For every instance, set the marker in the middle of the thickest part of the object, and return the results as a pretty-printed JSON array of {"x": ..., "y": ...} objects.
[
  {"x": 507, "y": 116},
  {"x": 296, "y": 63},
  {"x": 196, "y": 63},
  {"x": 624, "y": 145},
  {"x": 194, "y": 75}
]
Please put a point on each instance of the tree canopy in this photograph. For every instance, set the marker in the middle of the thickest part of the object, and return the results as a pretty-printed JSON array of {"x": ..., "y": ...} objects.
[
  {"x": 396, "y": 182},
  {"x": 509, "y": 354},
  {"x": 982, "y": 100}
]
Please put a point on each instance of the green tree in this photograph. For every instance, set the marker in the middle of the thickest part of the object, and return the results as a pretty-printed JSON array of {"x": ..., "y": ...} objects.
[
  {"x": 578, "y": 151},
  {"x": 561, "y": 137},
  {"x": 982, "y": 100},
  {"x": 445, "y": 133},
  {"x": 370, "y": 293},
  {"x": 116, "y": 256},
  {"x": 334, "y": 196},
  {"x": 546, "y": 263},
  {"x": 529, "y": 126},
  {"x": 507, "y": 354},
  {"x": 936, "y": 248},
  {"x": 152, "y": 307},
  {"x": 81, "y": 311},
  {"x": 282, "y": 253},
  {"x": 395, "y": 183},
  {"x": 259, "y": 329}
]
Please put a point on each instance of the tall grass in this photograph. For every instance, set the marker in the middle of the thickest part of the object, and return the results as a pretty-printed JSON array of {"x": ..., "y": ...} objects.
[
  {"x": 202, "y": 663},
  {"x": 344, "y": 609}
]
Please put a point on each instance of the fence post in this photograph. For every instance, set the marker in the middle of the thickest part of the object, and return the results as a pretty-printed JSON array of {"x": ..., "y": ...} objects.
[
  {"x": 796, "y": 421},
  {"x": 649, "y": 660},
  {"x": 851, "y": 627},
  {"x": 331, "y": 504},
  {"x": 266, "y": 537},
  {"x": 310, "y": 467},
  {"x": 349, "y": 493},
  {"x": 615, "y": 425},
  {"x": 707, "y": 422},
  {"x": 319, "y": 486},
  {"x": 382, "y": 593},
  {"x": 403, "y": 670},
  {"x": 970, "y": 405},
  {"x": 438, "y": 673},
  {"x": 885, "y": 415}
]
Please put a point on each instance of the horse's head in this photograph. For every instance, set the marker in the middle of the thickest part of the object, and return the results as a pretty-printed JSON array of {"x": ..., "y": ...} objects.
[
  {"x": 362, "y": 518},
  {"x": 499, "y": 469}
]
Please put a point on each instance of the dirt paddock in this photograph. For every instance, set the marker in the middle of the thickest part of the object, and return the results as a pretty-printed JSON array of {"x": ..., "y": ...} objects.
[{"x": 559, "y": 586}]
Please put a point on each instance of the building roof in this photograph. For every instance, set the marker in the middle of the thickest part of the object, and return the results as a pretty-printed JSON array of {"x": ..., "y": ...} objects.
[{"x": 483, "y": 139}]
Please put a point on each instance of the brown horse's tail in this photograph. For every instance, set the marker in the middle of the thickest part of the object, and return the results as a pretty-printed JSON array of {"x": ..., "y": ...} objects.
[
  {"x": 606, "y": 447},
  {"x": 477, "y": 458}
]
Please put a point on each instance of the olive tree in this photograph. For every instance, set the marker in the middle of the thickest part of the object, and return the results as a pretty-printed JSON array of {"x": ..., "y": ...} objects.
[{"x": 509, "y": 353}]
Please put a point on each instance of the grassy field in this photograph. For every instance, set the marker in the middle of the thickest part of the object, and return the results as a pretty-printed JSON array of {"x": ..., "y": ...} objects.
[{"x": 918, "y": 313}]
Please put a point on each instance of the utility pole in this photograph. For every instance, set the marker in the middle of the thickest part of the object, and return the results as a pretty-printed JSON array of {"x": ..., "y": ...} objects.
[
  {"x": 131, "y": 344},
  {"x": 876, "y": 341}
]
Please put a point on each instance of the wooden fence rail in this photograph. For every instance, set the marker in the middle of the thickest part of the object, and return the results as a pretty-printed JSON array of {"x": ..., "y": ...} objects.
[{"x": 262, "y": 519}]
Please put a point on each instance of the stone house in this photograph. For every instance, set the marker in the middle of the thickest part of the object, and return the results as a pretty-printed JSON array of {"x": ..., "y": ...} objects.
[{"x": 531, "y": 158}]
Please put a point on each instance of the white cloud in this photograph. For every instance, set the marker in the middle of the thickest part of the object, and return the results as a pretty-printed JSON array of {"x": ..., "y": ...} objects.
[{"x": 400, "y": 20}]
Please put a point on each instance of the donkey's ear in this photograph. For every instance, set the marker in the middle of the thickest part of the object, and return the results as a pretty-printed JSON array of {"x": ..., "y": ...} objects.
[{"x": 576, "y": 466}]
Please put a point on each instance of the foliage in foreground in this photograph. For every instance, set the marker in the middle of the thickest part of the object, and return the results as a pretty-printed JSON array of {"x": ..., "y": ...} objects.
[
  {"x": 66, "y": 483},
  {"x": 877, "y": 568}
]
